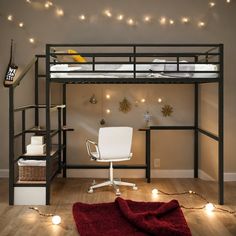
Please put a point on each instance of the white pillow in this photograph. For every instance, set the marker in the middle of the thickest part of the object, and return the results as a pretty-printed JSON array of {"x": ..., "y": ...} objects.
[{"x": 158, "y": 67}]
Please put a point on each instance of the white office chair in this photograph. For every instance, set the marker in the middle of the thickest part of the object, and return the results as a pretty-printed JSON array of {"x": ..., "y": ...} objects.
[{"x": 114, "y": 145}]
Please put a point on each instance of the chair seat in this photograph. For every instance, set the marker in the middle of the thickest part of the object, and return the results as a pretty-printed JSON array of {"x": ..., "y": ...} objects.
[{"x": 96, "y": 156}]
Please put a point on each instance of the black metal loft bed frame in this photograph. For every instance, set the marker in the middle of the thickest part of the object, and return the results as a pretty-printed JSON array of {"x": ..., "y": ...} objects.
[{"x": 131, "y": 54}]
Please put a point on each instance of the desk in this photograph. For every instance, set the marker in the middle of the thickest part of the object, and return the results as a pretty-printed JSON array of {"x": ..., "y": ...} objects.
[{"x": 148, "y": 144}]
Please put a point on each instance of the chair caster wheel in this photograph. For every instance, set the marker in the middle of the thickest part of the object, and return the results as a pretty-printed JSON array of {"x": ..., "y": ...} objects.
[
  {"x": 135, "y": 188},
  {"x": 118, "y": 193},
  {"x": 90, "y": 190}
]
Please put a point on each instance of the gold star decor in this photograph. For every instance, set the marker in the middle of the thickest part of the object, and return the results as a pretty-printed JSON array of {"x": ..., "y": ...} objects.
[
  {"x": 125, "y": 105},
  {"x": 167, "y": 110}
]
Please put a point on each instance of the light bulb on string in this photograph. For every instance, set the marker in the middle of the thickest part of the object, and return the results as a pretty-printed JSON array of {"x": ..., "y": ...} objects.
[
  {"x": 212, "y": 4},
  {"x": 107, "y": 12},
  {"x": 108, "y": 111},
  {"x": 143, "y": 100},
  {"x": 185, "y": 20},
  {"x": 130, "y": 22},
  {"x": 147, "y": 19},
  {"x": 32, "y": 40},
  {"x": 171, "y": 22},
  {"x": 21, "y": 24},
  {"x": 209, "y": 207},
  {"x": 82, "y": 17},
  {"x": 108, "y": 96},
  {"x": 120, "y": 17},
  {"x": 159, "y": 100},
  {"x": 56, "y": 220},
  {"x": 59, "y": 12},
  {"x": 10, "y": 17},
  {"x": 201, "y": 24},
  {"x": 228, "y": 1},
  {"x": 163, "y": 20}
]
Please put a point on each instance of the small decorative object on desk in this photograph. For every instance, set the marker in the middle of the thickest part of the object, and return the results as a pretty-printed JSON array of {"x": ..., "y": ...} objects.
[
  {"x": 102, "y": 122},
  {"x": 147, "y": 118},
  {"x": 125, "y": 105},
  {"x": 167, "y": 110}
]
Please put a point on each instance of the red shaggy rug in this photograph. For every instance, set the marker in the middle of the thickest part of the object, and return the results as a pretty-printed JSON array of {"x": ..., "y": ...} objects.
[{"x": 126, "y": 217}]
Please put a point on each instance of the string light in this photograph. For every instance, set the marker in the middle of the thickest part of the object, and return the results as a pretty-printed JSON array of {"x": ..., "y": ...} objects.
[
  {"x": 201, "y": 24},
  {"x": 147, "y": 19},
  {"x": 212, "y": 4},
  {"x": 10, "y": 17},
  {"x": 209, "y": 207},
  {"x": 108, "y": 13},
  {"x": 108, "y": 111},
  {"x": 185, "y": 20},
  {"x": 28, "y": 1},
  {"x": 228, "y": 1},
  {"x": 143, "y": 100},
  {"x": 163, "y": 20},
  {"x": 171, "y": 22},
  {"x": 120, "y": 17},
  {"x": 130, "y": 21},
  {"x": 82, "y": 17},
  {"x": 159, "y": 100},
  {"x": 32, "y": 40},
  {"x": 108, "y": 96},
  {"x": 56, "y": 219},
  {"x": 59, "y": 12},
  {"x": 48, "y": 4},
  {"x": 21, "y": 24}
]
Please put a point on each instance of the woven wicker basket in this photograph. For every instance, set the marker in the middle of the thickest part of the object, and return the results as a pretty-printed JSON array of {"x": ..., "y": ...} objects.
[
  {"x": 35, "y": 173},
  {"x": 32, "y": 173}
]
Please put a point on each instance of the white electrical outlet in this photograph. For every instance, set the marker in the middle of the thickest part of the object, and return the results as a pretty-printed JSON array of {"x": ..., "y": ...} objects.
[{"x": 157, "y": 163}]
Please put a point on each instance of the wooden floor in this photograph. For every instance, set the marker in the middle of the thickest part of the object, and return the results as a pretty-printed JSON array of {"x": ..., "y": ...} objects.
[{"x": 20, "y": 220}]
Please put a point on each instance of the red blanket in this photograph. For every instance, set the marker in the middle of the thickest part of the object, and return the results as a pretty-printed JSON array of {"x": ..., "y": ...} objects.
[{"x": 126, "y": 217}]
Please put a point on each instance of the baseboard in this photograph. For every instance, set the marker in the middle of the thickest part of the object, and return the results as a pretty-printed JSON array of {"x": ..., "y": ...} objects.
[
  {"x": 4, "y": 173},
  {"x": 155, "y": 173},
  {"x": 204, "y": 176},
  {"x": 229, "y": 177}
]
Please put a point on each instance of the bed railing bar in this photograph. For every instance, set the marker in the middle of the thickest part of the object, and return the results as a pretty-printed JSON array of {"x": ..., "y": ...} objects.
[
  {"x": 209, "y": 134},
  {"x": 131, "y": 71},
  {"x": 129, "y": 63},
  {"x": 140, "y": 54},
  {"x": 137, "y": 45}
]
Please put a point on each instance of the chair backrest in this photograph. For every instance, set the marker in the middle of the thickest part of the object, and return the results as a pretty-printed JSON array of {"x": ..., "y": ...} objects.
[{"x": 115, "y": 142}]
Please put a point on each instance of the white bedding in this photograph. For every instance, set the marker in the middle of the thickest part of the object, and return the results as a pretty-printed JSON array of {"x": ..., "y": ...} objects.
[{"x": 149, "y": 68}]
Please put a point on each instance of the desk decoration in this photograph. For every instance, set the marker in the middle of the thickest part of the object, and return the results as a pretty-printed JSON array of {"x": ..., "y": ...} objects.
[
  {"x": 147, "y": 118},
  {"x": 167, "y": 110},
  {"x": 125, "y": 105}
]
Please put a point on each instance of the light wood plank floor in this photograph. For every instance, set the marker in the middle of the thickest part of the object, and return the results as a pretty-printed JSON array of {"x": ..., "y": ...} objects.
[{"x": 20, "y": 220}]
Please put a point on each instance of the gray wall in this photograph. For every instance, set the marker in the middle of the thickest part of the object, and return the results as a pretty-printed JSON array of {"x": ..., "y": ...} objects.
[{"x": 175, "y": 149}]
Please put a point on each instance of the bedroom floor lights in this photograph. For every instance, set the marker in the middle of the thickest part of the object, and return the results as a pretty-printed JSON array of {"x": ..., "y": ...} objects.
[{"x": 209, "y": 207}]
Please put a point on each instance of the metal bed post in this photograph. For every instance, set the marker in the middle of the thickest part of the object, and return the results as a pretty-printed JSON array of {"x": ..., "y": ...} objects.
[
  {"x": 23, "y": 132},
  {"x": 196, "y": 109},
  {"x": 36, "y": 94},
  {"x": 221, "y": 126},
  {"x": 64, "y": 133},
  {"x": 148, "y": 153},
  {"x": 59, "y": 139},
  {"x": 48, "y": 126},
  {"x": 11, "y": 146}
]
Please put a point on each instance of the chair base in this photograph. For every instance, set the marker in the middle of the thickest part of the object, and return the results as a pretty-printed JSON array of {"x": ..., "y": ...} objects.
[{"x": 115, "y": 184}]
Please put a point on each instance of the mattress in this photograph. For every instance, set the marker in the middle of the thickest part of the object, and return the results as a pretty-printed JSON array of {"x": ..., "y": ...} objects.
[{"x": 164, "y": 70}]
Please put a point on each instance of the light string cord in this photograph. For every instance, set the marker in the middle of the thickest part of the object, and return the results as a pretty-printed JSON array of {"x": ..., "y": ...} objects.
[{"x": 190, "y": 192}]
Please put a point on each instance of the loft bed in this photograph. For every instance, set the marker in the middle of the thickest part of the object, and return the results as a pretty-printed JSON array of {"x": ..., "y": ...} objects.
[{"x": 119, "y": 64}]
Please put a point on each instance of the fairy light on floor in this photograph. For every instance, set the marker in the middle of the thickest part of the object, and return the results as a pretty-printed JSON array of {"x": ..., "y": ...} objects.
[
  {"x": 209, "y": 207},
  {"x": 56, "y": 219}
]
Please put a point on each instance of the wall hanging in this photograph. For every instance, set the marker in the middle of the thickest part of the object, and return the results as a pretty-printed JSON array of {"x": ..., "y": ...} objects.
[
  {"x": 93, "y": 99},
  {"x": 167, "y": 110},
  {"x": 125, "y": 105}
]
